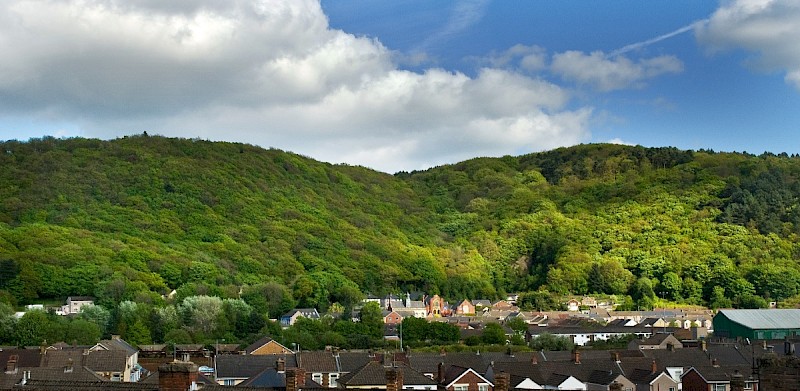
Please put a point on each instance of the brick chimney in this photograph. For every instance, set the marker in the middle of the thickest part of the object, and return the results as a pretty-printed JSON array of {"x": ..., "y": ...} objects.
[
  {"x": 653, "y": 367},
  {"x": 394, "y": 379},
  {"x": 714, "y": 362},
  {"x": 440, "y": 373},
  {"x": 616, "y": 356},
  {"x": 534, "y": 358},
  {"x": 11, "y": 365},
  {"x": 280, "y": 365},
  {"x": 737, "y": 381},
  {"x": 501, "y": 381},
  {"x": 295, "y": 379},
  {"x": 177, "y": 376},
  {"x": 576, "y": 355}
]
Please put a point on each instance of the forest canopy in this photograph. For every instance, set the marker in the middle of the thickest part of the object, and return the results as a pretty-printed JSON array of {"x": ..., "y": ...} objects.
[{"x": 132, "y": 219}]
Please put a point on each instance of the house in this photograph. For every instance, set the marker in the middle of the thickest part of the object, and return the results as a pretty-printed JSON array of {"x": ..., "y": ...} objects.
[
  {"x": 233, "y": 369},
  {"x": 589, "y": 302},
  {"x": 465, "y": 308},
  {"x": 573, "y": 305},
  {"x": 757, "y": 324},
  {"x": 291, "y": 317},
  {"x": 458, "y": 378},
  {"x": 392, "y": 317},
  {"x": 715, "y": 378},
  {"x": 375, "y": 375},
  {"x": 435, "y": 306},
  {"x": 653, "y": 380},
  {"x": 602, "y": 380},
  {"x": 322, "y": 366},
  {"x": 130, "y": 371},
  {"x": 266, "y": 345},
  {"x": 656, "y": 341},
  {"x": 74, "y": 304}
]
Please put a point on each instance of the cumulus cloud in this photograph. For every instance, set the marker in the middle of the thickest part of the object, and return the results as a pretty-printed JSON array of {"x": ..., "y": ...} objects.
[
  {"x": 611, "y": 73},
  {"x": 525, "y": 58},
  {"x": 768, "y": 28},
  {"x": 271, "y": 73}
]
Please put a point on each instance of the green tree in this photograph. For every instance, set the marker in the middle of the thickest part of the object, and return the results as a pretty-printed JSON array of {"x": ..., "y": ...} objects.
[
  {"x": 83, "y": 332},
  {"x": 97, "y": 315},
  {"x": 550, "y": 342},
  {"x": 372, "y": 319},
  {"x": 32, "y": 328},
  {"x": 493, "y": 334},
  {"x": 609, "y": 277}
]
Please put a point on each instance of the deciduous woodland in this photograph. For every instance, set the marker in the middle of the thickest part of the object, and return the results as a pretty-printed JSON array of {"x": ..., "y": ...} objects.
[{"x": 132, "y": 219}]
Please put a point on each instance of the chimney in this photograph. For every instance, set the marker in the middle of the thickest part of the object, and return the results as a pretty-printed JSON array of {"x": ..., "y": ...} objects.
[
  {"x": 177, "y": 376},
  {"x": 704, "y": 347},
  {"x": 280, "y": 365},
  {"x": 653, "y": 367},
  {"x": 616, "y": 356},
  {"x": 394, "y": 379},
  {"x": 788, "y": 347},
  {"x": 440, "y": 374},
  {"x": 295, "y": 379},
  {"x": 737, "y": 381},
  {"x": 764, "y": 344},
  {"x": 11, "y": 365},
  {"x": 576, "y": 356},
  {"x": 501, "y": 381},
  {"x": 69, "y": 366},
  {"x": 534, "y": 359},
  {"x": 714, "y": 362}
]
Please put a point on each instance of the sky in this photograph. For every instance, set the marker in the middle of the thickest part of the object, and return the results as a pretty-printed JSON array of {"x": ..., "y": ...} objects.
[{"x": 406, "y": 85}]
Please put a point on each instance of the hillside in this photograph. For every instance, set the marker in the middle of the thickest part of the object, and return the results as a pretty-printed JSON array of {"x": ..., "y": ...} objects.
[{"x": 134, "y": 218}]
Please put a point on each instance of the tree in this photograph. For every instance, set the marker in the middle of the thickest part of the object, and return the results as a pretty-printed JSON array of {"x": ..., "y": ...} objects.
[
  {"x": 718, "y": 299},
  {"x": 97, "y": 315},
  {"x": 550, "y": 342},
  {"x": 32, "y": 328},
  {"x": 642, "y": 293},
  {"x": 83, "y": 332},
  {"x": 372, "y": 318},
  {"x": 493, "y": 334},
  {"x": 201, "y": 313},
  {"x": 7, "y": 324},
  {"x": 609, "y": 277},
  {"x": 517, "y": 324}
]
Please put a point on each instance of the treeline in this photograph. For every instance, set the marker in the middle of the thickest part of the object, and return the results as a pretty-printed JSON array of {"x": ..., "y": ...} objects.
[{"x": 132, "y": 219}]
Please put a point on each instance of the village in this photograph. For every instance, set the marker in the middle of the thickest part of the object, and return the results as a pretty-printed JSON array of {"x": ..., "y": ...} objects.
[{"x": 668, "y": 350}]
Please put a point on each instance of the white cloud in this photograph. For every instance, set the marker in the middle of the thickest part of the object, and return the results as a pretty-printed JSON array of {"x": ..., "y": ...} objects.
[
  {"x": 769, "y": 28},
  {"x": 526, "y": 58},
  {"x": 611, "y": 73},
  {"x": 271, "y": 73},
  {"x": 619, "y": 141}
]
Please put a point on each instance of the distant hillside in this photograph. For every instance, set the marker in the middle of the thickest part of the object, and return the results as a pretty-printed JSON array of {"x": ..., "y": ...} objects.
[{"x": 134, "y": 218}]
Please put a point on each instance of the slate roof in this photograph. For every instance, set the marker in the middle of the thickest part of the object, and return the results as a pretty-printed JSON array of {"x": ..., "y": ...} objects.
[
  {"x": 257, "y": 344},
  {"x": 373, "y": 373},
  {"x": 351, "y": 361},
  {"x": 25, "y": 357},
  {"x": 78, "y": 374},
  {"x": 602, "y": 377},
  {"x": 776, "y": 318},
  {"x": 118, "y": 344},
  {"x": 318, "y": 361},
  {"x": 245, "y": 366},
  {"x": 60, "y": 385}
]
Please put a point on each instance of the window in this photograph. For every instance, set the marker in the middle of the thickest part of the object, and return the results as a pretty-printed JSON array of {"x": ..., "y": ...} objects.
[
  {"x": 332, "y": 378},
  {"x": 672, "y": 389},
  {"x": 317, "y": 378},
  {"x": 483, "y": 387},
  {"x": 719, "y": 387},
  {"x": 228, "y": 382},
  {"x": 460, "y": 387}
]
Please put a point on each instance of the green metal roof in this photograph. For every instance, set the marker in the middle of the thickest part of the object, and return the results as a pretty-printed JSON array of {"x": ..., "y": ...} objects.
[{"x": 765, "y": 318}]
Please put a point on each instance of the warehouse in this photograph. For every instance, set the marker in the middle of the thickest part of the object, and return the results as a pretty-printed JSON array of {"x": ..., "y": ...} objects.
[{"x": 757, "y": 324}]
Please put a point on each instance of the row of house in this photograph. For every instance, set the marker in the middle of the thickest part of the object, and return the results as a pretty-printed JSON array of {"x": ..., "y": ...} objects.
[{"x": 663, "y": 366}]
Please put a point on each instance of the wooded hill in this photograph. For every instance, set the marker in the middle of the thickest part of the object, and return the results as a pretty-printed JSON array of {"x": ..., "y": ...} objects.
[{"x": 134, "y": 218}]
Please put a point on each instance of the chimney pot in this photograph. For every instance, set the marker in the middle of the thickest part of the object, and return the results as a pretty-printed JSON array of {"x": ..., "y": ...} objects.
[
  {"x": 501, "y": 381},
  {"x": 177, "y": 376}
]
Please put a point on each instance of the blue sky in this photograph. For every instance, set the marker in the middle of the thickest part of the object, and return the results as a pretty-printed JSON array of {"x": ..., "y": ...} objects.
[{"x": 406, "y": 84}]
